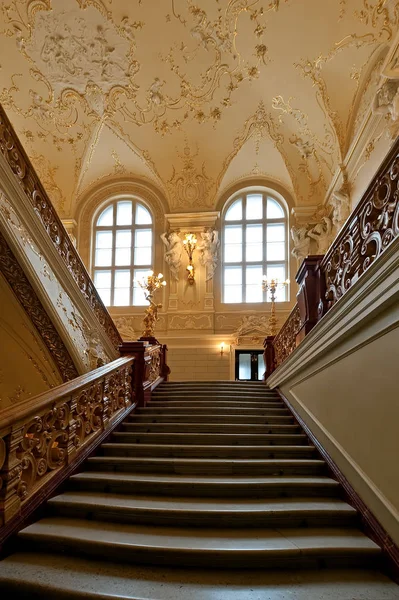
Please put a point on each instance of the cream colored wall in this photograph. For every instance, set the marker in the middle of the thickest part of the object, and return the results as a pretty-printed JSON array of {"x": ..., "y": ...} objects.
[
  {"x": 26, "y": 367},
  {"x": 342, "y": 380},
  {"x": 204, "y": 363}
]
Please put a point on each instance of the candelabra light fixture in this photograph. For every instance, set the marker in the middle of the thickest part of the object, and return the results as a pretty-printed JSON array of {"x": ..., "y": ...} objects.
[
  {"x": 190, "y": 244},
  {"x": 222, "y": 349},
  {"x": 150, "y": 285},
  {"x": 271, "y": 285}
]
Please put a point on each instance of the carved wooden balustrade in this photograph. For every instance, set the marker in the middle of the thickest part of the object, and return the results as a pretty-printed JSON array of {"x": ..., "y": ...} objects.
[
  {"x": 323, "y": 280},
  {"x": 22, "y": 169},
  {"x": 42, "y": 439}
]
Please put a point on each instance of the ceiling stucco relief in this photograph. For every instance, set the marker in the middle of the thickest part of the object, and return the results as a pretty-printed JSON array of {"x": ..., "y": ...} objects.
[{"x": 247, "y": 86}]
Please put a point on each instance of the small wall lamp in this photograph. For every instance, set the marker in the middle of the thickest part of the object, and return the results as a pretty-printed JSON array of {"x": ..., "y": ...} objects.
[
  {"x": 221, "y": 349},
  {"x": 190, "y": 244}
]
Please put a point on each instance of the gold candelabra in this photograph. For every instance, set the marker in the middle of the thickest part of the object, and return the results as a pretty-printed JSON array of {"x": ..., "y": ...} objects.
[
  {"x": 271, "y": 285},
  {"x": 190, "y": 244},
  {"x": 150, "y": 285}
]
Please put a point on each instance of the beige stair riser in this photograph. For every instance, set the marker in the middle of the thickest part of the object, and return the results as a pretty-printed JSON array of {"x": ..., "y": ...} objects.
[
  {"x": 208, "y": 428},
  {"x": 212, "y": 439},
  {"x": 196, "y": 488},
  {"x": 255, "y": 559},
  {"x": 189, "y": 466},
  {"x": 212, "y": 404},
  {"x": 244, "y": 452},
  {"x": 213, "y": 396}
]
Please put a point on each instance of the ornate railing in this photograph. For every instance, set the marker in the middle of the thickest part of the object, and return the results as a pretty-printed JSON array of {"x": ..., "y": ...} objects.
[
  {"x": 48, "y": 435},
  {"x": 285, "y": 341},
  {"x": 22, "y": 169},
  {"x": 323, "y": 280}
]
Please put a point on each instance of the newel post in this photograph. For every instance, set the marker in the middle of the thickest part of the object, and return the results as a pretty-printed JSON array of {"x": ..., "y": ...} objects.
[
  {"x": 311, "y": 294},
  {"x": 136, "y": 349},
  {"x": 269, "y": 356}
]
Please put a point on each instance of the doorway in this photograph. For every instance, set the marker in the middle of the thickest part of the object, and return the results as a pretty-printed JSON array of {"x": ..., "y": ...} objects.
[{"x": 249, "y": 365}]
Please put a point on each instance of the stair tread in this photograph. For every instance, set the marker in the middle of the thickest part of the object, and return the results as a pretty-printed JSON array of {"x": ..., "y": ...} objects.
[
  {"x": 209, "y": 479},
  {"x": 54, "y": 576},
  {"x": 243, "y": 461},
  {"x": 215, "y": 505},
  {"x": 292, "y": 541}
]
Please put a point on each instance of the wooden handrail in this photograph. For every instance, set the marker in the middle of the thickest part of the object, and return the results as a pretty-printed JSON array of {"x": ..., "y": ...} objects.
[
  {"x": 42, "y": 441},
  {"x": 31, "y": 406}
]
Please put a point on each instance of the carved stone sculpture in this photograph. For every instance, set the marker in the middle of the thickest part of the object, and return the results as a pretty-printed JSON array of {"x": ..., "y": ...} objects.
[
  {"x": 321, "y": 232},
  {"x": 301, "y": 242},
  {"x": 341, "y": 208},
  {"x": 386, "y": 102},
  {"x": 209, "y": 248},
  {"x": 172, "y": 256}
]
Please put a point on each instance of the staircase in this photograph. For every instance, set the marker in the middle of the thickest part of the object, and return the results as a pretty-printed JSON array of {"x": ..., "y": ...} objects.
[{"x": 206, "y": 493}]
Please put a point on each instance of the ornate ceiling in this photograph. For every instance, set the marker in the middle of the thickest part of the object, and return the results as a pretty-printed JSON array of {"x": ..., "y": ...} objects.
[{"x": 192, "y": 97}]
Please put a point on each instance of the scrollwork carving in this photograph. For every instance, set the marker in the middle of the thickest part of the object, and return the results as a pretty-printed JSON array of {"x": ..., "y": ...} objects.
[{"x": 285, "y": 341}]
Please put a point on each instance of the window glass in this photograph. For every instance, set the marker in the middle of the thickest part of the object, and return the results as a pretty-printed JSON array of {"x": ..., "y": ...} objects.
[
  {"x": 120, "y": 242},
  {"x": 234, "y": 213},
  {"x": 253, "y": 246}
]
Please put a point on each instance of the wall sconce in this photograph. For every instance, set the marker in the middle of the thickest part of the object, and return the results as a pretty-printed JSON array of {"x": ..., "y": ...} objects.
[
  {"x": 190, "y": 244},
  {"x": 221, "y": 349}
]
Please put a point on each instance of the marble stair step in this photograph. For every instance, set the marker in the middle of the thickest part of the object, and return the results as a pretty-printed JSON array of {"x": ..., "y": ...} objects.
[
  {"x": 36, "y": 576},
  {"x": 208, "y": 466},
  {"x": 238, "y": 486},
  {"x": 216, "y": 410},
  {"x": 201, "y": 546},
  {"x": 228, "y": 419},
  {"x": 200, "y": 451},
  {"x": 199, "y": 512},
  {"x": 192, "y": 395},
  {"x": 208, "y": 427},
  {"x": 188, "y": 404},
  {"x": 220, "y": 439}
]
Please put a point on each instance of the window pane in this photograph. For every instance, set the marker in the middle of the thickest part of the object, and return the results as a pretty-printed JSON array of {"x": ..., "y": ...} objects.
[
  {"x": 254, "y": 246},
  {"x": 122, "y": 279},
  {"x": 233, "y": 244},
  {"x": 233, "y": 275},
  {"x": 104, "y": 239},
  {"x": 143, "y": 247},
  {"x": 143, "y": 238},
  {"x": 143, "y": 216},
  {"x": 234, "y": 213},
  {"x": 142, "y": 256},
  {"x": 276, "y": 251},
  {"x": 244, "y": 366},
  {"x": 102, "y": 279},
  {"x": 274, "y": 210},
  {"x": 121, "y": 297},
  {"x": 107, "y": 217},
  {"x": 233, "y": 284},
  {"x": 138, "y": 294},
  {"x": 123, "y": 239},
  {"x": 124, "y": 213},
  {"x": 233, "y": 294},
  {"x": 233, "y": 234},
  {"x": 261, "y": 367},
  {"x": 103, "y": 258},
  {"x": 123, "y": 257},
  {"x": 275, "y": 233},
  {"x": 254, "y": 206},
  {"x": 253, "y": 288}
]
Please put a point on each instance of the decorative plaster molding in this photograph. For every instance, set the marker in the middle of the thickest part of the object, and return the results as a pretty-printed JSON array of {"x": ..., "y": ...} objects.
[{"x": 24, "y": 292}]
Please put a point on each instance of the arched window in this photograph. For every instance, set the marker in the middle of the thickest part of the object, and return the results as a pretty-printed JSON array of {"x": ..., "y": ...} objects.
[
  {"x": 122, "y": 252},
  {"x": 254, "y": 244}
]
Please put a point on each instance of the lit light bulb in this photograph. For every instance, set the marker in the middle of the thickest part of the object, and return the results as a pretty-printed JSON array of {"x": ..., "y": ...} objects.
[
  {"x": 151, "y": 273},
  {"x": 163, "y": 283},
  {"x": 160, "y": 275}
]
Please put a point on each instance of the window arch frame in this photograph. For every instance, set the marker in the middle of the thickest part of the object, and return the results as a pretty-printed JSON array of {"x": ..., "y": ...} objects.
[
  {"x": 134, "y": 289},
  {"x": 242, "y": 194}
]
